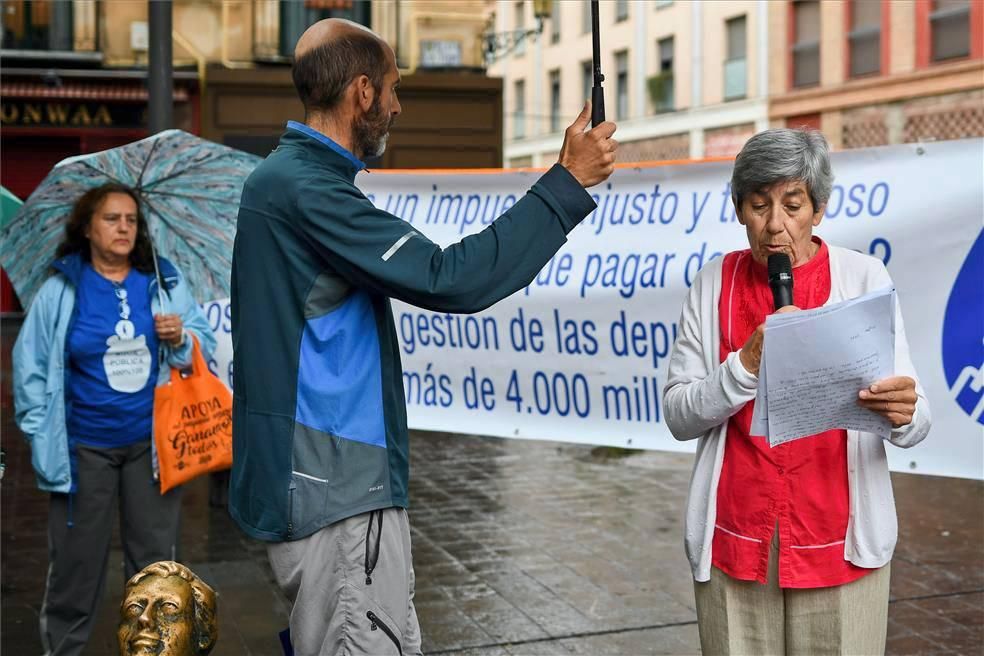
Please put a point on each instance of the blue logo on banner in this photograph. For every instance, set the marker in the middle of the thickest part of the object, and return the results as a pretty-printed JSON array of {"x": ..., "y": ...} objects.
[{"x": 963, "y": 334}]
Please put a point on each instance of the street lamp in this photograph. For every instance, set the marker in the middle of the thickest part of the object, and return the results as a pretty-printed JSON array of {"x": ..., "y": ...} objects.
[{"x": 497, "y": 45}]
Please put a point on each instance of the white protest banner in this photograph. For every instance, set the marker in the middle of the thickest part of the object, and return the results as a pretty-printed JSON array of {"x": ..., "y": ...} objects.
[{"x": 581, "y": 354}]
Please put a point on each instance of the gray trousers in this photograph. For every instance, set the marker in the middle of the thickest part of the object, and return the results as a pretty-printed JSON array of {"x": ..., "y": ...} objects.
[
  {"x": 351, "y": 587},
  {"x": 745, "y": 617},
  {"x": 79, "y": 532}
]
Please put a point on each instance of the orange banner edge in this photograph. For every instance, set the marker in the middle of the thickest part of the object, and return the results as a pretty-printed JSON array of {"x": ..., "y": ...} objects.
[{"x": 623, "y": 165}]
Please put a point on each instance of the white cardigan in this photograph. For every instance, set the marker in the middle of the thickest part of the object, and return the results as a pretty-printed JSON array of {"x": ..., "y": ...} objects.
[{"x": 701, "y": 394}]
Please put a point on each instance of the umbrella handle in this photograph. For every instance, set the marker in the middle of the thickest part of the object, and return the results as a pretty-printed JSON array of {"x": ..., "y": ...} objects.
[
  {"x": 160, "y": 281},
  {"x": 597, "y": 105},
  {"x": 597, "y": 93}
]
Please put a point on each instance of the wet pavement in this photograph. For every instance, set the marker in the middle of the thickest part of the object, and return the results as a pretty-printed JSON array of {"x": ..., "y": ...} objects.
[{"x": 527, "y": 548}]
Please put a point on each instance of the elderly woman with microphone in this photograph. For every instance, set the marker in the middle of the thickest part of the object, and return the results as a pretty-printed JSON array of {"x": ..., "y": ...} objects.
[{"x": 790, "y": 546}]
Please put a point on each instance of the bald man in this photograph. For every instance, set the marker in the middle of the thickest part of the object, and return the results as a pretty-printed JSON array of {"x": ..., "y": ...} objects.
[{"x": 320, "y": 430}]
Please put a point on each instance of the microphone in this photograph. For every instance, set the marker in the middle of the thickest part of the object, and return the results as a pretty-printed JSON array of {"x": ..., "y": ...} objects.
[{"x": 781, "y": 279}]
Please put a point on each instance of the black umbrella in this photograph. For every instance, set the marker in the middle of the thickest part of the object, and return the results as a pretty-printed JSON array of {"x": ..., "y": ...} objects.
[{"x": 597, "y": 93}]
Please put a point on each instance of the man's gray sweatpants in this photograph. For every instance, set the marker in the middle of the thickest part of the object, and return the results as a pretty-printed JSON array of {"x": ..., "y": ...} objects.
[{"x": 351, "y": 587}]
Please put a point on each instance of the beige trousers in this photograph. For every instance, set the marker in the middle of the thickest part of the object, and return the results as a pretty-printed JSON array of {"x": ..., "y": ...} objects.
[{"x": 746, "y": 617}]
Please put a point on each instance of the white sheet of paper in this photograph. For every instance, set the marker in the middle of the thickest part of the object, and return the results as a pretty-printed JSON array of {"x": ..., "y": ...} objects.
[
  {"x": 817, "y": 362},
  {"x": 760, "y": 413}
]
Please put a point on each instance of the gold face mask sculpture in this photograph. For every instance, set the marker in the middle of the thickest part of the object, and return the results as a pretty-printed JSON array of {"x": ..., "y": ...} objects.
[{"x": 167, "y": 611}]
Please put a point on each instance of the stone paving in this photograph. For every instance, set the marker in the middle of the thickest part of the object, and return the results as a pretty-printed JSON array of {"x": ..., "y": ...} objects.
[{"x": 522, "y": 548}]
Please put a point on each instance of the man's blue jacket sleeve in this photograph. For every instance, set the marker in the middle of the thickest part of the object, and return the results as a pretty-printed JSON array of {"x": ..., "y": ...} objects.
[{"x": 383, "y": 253}]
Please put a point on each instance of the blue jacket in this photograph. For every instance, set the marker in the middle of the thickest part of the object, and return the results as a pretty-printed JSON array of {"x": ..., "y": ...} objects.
[
  {"x": 40, "y": 374},
  {"x": 319, "y": 411}
]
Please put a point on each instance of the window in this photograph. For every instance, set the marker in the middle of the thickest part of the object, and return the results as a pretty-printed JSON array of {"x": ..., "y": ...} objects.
[
  {"x": 37, "y": 25},
  {"x": 520, "y": 17},
  {"x": 555, "y": 22},
  {"x": 555, "y": 101},
  {"x": 621, "y": 10},
  {"x": 806, "y": 43},
  {"x": 660, "y": 4},
  {"x": 585, "y": 17},
  {"x": 864, "y": 39},
  {"x": 735, "y": 66},
  {"x": 665, "y": 47},
  {"x": 587, "y": 79},
  {"x": 622, "y": 85},
  {"x": 296, "y": 17},
  {"x": 519, "y": 112},
  {"x": 661, "y": 84},
  {"x": 949, "y": 23}
]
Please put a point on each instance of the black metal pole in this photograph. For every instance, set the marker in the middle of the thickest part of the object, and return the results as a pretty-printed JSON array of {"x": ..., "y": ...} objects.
[
  {"x": 160, "y": 80},
  {"x": 597, "y": 93}
]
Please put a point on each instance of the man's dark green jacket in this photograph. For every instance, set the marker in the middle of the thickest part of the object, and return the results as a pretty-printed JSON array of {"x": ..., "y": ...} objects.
[{"x": 319, "y": 418}]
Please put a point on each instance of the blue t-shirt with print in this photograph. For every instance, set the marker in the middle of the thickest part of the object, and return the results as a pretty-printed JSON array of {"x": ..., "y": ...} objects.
[{"x": 113, "y": 360}]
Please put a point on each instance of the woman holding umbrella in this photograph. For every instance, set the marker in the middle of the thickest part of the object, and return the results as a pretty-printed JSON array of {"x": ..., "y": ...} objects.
[{"x": 94, "y": 344}]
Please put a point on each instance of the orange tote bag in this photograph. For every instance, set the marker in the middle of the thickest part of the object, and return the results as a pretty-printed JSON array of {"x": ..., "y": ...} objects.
[{"x": 192, "y": 423}]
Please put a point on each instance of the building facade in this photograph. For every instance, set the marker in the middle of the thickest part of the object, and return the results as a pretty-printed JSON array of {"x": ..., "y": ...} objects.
[
  {"x": 682, "y": 79},
  {"x": 73, "y": 79},
  {"x": 696, "y": 79},
  {"x": 450, "y": 107},
  {"x": 432, "y": 34},
  {"x": 878, "y": 72}
]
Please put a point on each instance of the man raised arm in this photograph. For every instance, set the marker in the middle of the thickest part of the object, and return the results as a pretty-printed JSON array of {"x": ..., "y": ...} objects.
[{"x": 320, "y": 432}]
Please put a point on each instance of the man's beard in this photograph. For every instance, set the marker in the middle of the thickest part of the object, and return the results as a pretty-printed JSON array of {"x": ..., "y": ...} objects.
[{"x": 371, "y": 131}]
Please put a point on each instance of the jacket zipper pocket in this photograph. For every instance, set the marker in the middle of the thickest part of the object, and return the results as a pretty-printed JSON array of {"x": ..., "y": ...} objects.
[
  {"x": 376, "y": 622},
  {"x": 372, "y": 553},
  {"x": 290, "y": 509}
]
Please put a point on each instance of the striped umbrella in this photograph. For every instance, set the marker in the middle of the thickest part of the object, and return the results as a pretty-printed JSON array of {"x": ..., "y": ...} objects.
[
  {"x": 189, "y": 188},
  {"x": 8, "y": 206}
]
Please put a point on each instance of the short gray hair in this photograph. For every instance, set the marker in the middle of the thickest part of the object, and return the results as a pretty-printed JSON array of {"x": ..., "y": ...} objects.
[
  {"x": 322, "y": 74},
  {"x": 783, "y": 155}
]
